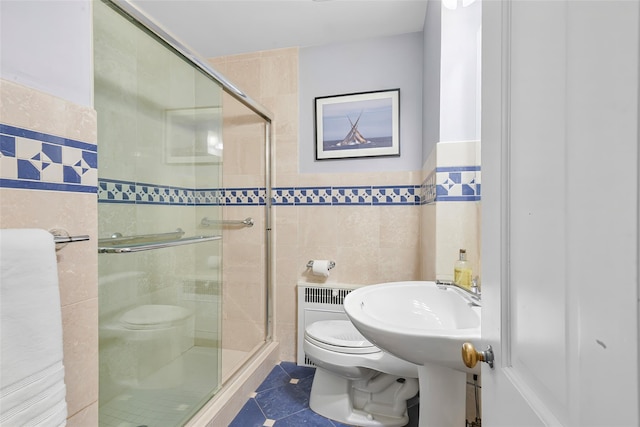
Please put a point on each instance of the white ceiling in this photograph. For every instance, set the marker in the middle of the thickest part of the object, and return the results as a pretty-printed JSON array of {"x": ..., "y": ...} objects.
[{"x": 226, "y": 27}]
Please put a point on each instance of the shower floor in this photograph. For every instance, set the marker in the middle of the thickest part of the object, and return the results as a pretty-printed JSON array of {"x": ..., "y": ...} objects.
[{"x": 146, "y": 406}]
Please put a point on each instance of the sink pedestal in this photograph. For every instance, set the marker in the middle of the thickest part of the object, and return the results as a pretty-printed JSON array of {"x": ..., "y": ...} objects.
[{"x": 442, "y": 396}]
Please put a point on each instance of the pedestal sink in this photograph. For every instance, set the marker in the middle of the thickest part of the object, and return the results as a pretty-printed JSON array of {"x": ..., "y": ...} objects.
[{"x": 424, "y": 323}]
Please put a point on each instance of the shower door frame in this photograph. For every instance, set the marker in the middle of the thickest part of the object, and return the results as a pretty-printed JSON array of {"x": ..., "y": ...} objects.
[{"x": 201, "y": 64}]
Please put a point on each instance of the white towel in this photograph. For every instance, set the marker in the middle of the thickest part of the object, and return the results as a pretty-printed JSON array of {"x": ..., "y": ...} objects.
[{"x": 32, "y": 389}]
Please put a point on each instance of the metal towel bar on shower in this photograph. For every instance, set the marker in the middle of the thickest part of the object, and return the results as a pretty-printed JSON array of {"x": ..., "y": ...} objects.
[
  {"x": 247, "y": 222},
  {"x": 119, "y": 244},
  {"x": 119, "y": 239}
]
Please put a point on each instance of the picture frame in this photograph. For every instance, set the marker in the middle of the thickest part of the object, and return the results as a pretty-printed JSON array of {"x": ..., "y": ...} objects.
[
  {"x": 355, "y": 125},
  {"x": 193, "y": 135}
]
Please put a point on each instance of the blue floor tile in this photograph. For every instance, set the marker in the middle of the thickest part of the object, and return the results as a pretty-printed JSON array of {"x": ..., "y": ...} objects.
[
  {"x": 287, "y": 403},
  {"x": 278, "y": 377},
  {"x": 304, "y": 418},
  {"x": 296, "y": 371},
  {"x": 277, "y": 403},
  {"x": 249, "y": 416}
]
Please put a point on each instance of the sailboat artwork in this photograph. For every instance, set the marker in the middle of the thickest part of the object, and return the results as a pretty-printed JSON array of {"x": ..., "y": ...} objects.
[
  {"x": 358, "y": 125},
  {"x": 354, "y": 137}
]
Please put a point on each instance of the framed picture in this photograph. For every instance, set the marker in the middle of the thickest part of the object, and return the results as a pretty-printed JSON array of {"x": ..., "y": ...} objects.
[
  {"x": 358, "y": 125},
  {"x": 193, "y": 135}
]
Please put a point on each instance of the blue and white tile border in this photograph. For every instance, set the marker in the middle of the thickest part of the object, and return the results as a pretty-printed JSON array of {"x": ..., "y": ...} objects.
[
  {"x": 39, "y": 161},
  {"x": 128, "y": 192},
  {"x": 342, "y": 195},
  {"x": 452, "y": 184},
  {"x": 118, "y": 191}
]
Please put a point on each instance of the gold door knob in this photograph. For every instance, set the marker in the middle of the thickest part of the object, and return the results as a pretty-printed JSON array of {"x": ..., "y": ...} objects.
[{"x": 471, "y": 356}]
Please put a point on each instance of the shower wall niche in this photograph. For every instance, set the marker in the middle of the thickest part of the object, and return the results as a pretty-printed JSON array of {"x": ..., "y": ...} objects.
[{"x": 182, "y": 283}]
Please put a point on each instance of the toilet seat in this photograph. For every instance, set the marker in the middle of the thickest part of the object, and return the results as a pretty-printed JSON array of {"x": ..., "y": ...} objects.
[
  {"x": 339, "y": 336},
  {"x": 154, "y": 316}
]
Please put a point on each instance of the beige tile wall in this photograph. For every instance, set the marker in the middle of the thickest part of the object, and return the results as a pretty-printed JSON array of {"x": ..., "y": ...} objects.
[
  {"x": 457, "y": 224},
  {"x": 77, "y": 263},
  {"x": 369, "y": 244}
]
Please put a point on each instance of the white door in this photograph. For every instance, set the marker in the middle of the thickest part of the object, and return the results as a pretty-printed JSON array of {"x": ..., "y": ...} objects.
[{"x": 560, "y": 212}]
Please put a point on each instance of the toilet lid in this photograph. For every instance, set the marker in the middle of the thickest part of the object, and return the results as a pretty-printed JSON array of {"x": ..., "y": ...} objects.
[
  {"x": 341, "y": 334},
  {"x": 154, "y": 316}
]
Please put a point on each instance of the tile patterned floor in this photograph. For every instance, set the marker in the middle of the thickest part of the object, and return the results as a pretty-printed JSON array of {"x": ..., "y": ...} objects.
[{"x": 282, "y": 400}]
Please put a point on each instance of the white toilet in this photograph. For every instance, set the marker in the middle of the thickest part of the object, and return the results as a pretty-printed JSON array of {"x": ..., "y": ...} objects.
[
  {"x": 150, "y": 337},
  {"x": 172, "y": 324},
  {"x": 355, "y": 382}
]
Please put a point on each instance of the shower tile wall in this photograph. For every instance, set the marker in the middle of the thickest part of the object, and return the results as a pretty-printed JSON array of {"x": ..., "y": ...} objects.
[{"x": 49, "y": 181}]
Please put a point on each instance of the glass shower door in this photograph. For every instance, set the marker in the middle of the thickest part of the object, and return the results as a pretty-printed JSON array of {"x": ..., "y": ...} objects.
[{"x": 160, "y": 270}]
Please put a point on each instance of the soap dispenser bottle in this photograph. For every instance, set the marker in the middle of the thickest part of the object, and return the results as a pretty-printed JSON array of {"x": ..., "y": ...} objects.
[{"x": 462, "y": 271}]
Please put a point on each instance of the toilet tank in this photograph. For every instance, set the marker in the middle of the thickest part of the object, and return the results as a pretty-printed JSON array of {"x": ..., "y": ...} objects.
[{"x": 319, "y": 302}]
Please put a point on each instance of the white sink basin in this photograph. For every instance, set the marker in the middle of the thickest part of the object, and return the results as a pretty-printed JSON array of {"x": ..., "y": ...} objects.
[
  {"x": 420, "y": 322},
  {"x": 426, "y": 324}
]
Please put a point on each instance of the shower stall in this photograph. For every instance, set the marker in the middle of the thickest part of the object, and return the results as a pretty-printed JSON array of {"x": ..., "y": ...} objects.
[{"x": 183, "y": 214}]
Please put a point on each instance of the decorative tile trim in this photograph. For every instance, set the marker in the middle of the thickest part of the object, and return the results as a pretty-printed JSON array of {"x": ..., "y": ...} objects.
[
  {"x": 341, "y": 196},
  {"x": 301, "y": 196},
  {"x": 395, "y": 195},
  {"x": 118, "y": 191},
  {"x": 428, "y": 189},
  {"x": 242, "y": 196},
  {"x": 351, "y": 196},
  {"x": 39, "y": 161},
  {"x": 283, "y": 196},
  {"x": 452, "y": 184},
  {"x": 313, "y": 196}
]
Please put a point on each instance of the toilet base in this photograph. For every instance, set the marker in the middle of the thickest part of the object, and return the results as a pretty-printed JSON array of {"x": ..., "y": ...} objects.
[{"x": 381, "y": 402}]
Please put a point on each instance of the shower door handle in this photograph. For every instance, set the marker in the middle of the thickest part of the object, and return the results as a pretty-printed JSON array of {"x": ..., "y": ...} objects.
[{"x": 247, "y": 222}]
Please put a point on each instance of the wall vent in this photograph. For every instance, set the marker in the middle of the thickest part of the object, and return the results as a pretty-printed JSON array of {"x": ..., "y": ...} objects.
[
  {"x": 325, "y": 295},
  {"x": 316, "y": 303}
]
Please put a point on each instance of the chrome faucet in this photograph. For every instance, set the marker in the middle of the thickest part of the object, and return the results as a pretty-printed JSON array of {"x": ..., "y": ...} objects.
[
  {"x": 472, "y": 295},
  {"x": 475, "y": 289}
]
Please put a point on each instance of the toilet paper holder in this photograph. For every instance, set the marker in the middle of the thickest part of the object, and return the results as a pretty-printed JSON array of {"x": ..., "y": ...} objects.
[{"x": 331, "y": 264}]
